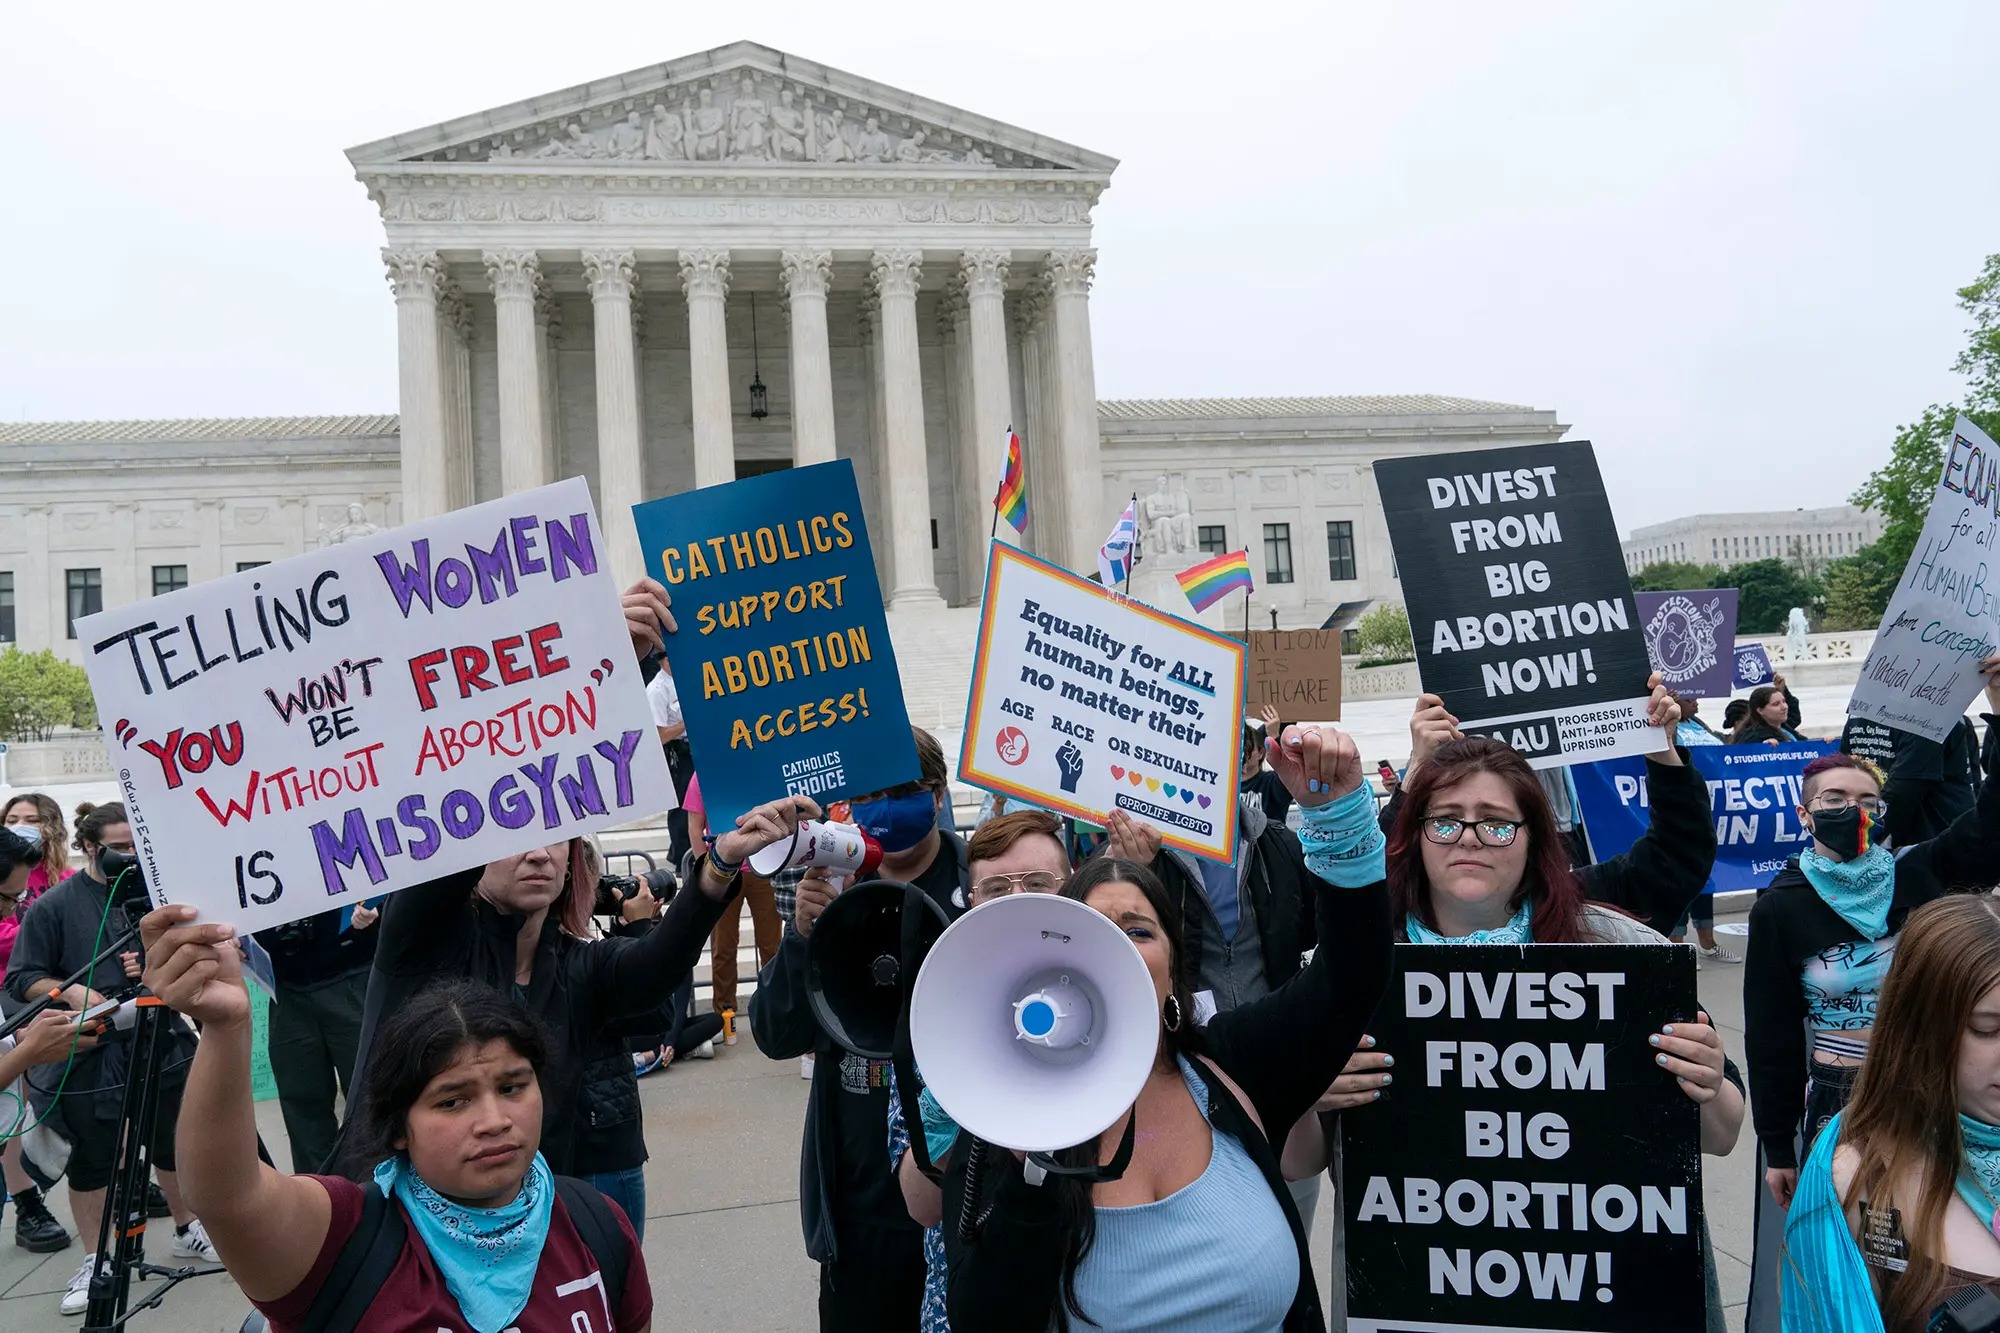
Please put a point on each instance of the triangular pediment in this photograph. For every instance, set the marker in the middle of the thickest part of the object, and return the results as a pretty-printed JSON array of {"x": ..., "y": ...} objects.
[{"x": 737, "y": 107}]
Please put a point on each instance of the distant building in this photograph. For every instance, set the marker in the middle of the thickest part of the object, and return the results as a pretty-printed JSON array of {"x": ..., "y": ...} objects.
[{"x": 1734, "y": 539}]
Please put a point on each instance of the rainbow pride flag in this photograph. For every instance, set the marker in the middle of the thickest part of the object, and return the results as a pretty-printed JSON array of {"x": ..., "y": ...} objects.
[
  {"x": 1012, "y": 499},
  {"x": 1212, "y": 580}
]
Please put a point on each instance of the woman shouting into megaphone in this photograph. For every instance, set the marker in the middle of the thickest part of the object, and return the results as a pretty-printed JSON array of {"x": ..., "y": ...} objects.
[{"x": 1177, "y": 1216}]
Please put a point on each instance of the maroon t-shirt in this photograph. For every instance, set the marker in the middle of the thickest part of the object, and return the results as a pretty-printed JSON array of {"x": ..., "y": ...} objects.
[{"x": 568, "y": 1295}]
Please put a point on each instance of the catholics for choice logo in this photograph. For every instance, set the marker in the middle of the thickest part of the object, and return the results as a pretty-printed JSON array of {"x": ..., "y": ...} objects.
[{"x": 1681, "y": 638}]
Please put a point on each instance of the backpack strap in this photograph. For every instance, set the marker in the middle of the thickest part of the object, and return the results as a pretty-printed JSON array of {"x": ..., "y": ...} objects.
[
  {"x": 591, "y": 1214},
  {"x": 362, "y": 1267}
]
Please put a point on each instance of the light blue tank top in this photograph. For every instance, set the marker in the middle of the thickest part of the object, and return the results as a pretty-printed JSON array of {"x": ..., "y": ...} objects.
[{"x": 1215, "y": 1256}]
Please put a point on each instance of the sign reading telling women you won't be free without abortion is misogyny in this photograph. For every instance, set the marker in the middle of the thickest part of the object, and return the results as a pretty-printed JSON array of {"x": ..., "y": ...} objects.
[
  {"x": 1923, "y": 668},
  {"x": 1520, "y": 608},
  {"x": 1083, "y": 702},
  {"x": 359, "y": 719}
]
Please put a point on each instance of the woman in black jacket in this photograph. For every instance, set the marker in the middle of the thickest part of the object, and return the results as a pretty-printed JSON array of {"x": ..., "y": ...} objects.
[
  {"x": 1773, "y": 718},
  {"x": 1196, "y": 1223},
  {"x": 1823, "y": 935}
]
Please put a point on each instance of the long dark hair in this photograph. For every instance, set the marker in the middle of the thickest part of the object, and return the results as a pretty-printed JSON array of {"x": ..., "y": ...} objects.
[
  {"x": 1753, "y": 716},
  {"x": 421, "y": 1040},
  {"x": 1547, "y": 879},
  {"x": 1073, "y": 1196}
]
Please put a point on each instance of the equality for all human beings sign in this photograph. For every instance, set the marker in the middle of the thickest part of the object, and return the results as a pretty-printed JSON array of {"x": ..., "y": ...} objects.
[
  {"x": 354, "y": 720},
  {"x": 782, "y": 657},
  {"x": 1688, "y": 638},
  {"x": 1297, "y": 672},
  {"x": 1519, "y": 604},
  {"x": 1754, "y": 790},
  {"x": 1531, "y": 1167},
  {"x": 1083, "y": 702},
  {"x": 1944, "y": 616}
]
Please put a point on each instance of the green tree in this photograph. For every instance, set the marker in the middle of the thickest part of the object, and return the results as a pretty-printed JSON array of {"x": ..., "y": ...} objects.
[
  {"x": 1858, "y": 588},
  {"x": 1384, "y": 634},
  {"x": 1901, "y": 489},
  {"x": 1676, "y": 576},
  {"x": 40, "y": 692},
  {"x": 1766, "y": 592}
]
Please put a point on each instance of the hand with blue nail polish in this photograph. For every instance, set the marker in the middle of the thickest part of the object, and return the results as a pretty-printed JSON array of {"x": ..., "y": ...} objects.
[
  {"x": 1316, "y": 764},
  {"x": 1361, "y": 1082}
]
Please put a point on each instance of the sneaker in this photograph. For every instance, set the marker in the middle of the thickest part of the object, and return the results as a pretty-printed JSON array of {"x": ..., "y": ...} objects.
[
  {"x": 1717, "y": 955},
  {"x": 76, "y": 1296},
  {"x": 156, "y": 1202},
  {"x": 35, "y": 1227},
  {"x": 705, "y": 1051},
  {"x": 191, "y": 1242}
]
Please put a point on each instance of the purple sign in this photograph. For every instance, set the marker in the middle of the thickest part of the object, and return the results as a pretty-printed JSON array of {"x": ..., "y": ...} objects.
[
  {"x": 1753, "y": 666},
  {"x": 1689, "y": 636}
]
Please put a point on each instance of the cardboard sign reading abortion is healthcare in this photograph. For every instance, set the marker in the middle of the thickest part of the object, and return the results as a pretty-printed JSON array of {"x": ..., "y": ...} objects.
[
  {"x": 1688, "y": 638},
  {"x": 1084, "y": 703},
  {"x": 1531, "y": 1167},
  {"x": 782, "y": 658},
  {"x": 1945, "y": 615},
  {"x": 358, "y": 719},
  {"x": 1297, "y": 672},
  {"x": 1519, "y": 605}
]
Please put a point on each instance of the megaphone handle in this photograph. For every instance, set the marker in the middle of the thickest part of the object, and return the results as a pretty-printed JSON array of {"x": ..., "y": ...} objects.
[{"x": 1038, "y": 1166}]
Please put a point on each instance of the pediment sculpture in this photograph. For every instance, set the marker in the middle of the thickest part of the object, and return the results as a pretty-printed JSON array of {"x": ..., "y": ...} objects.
[{"x": 749, "y": 119}]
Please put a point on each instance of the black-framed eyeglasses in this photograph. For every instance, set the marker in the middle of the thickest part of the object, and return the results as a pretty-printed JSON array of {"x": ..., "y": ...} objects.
[
  {"x": 1834, "y": 802},
  {"x": 1444, "y": 830},
  {"x": 1027, "y": 881}
]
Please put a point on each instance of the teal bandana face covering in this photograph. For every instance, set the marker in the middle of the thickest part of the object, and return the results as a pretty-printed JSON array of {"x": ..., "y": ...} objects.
[
  {"x": 488, "y": 1256},
  {"x": 1859, "y": 891}
]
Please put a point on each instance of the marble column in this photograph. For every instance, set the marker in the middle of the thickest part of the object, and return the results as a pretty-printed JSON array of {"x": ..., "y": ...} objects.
[
  {"x": 705, "y": 279},
  {"x": 514, "y": 275},
  {"x": 38, "y": 599},
  {"x": 992, "y": 396},
  {"x": 967, "y": 525},
  {"x": 912, "y": 579},
  {"x": 548, "y": 336},
  {"x": 806, "y": 275},
  {"x": 1070, "y": 273},
  {"x": 1037, "y": 441},
  {"x": 416, "y": 276},
  {"x": 868, "y": 329},
  {"x": 455, "y": 360},
  {"x": 612, "y": 276}
]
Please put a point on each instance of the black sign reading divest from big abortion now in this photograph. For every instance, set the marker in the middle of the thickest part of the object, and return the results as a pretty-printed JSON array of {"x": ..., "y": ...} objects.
[
  {"x": 1520, "y": 608},
  {"x": 1531, "y": 1167}
]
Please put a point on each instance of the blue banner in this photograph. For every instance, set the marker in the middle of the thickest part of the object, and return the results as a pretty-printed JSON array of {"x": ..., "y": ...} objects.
[
  {"x": 782, "y": 657},
  {"x": 1754, "y": 793}
]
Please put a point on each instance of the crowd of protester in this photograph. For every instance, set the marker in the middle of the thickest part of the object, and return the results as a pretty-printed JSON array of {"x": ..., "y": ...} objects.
[{"x": 458, "y": 1063}]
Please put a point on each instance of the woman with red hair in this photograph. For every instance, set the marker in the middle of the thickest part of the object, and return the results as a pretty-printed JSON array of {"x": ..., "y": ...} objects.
[{"x": 1474, "y": 857}]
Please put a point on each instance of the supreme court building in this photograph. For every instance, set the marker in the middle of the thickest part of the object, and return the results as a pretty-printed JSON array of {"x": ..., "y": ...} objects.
[{"x": 726, "y": 264}]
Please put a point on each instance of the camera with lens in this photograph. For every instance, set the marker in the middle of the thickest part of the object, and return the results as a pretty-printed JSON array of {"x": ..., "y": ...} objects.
[{"x": 617, "y": 889}]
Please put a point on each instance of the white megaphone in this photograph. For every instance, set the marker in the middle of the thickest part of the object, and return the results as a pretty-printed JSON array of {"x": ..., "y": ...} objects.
[
  {"x": 1034, "y": 1022},
  {"x": 842, "y": 848}
]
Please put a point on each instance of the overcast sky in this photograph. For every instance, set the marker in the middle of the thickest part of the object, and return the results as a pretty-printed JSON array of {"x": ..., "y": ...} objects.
[{"x": 1721, "y": 240}]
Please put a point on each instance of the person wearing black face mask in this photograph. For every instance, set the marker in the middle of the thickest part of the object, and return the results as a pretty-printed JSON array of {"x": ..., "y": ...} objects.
[
  {"x": 1822, "y": 937},
  {"x": 856, "y": 1223}
]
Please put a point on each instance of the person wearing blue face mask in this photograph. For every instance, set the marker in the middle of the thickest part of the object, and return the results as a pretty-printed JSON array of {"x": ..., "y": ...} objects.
[{"x": 856, "y": 1222}]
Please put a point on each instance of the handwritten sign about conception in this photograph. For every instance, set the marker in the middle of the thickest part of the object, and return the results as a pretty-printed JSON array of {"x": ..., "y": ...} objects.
[
  {"x": 782, "y": 658},
  {"x": 1945, "y": 615},
  {"x": 1532, "y": 1167},
  {"x": 358, "y": 719},
  {"x": 1083, "y": 702},
  {"x": 1519, "y": 604}
]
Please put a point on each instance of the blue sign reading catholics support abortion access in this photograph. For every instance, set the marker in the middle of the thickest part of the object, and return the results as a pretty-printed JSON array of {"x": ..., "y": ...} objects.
[
  {"x": 1753, "y": 790},
  {"x": 782, "y": 657}
]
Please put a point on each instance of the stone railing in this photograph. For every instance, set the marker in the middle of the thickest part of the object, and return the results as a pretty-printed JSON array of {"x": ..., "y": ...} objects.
[
  {"x": 73, "y": 757},
  {"x": 1834, "y": 646},
  {"x": 1396, "y": 681}
]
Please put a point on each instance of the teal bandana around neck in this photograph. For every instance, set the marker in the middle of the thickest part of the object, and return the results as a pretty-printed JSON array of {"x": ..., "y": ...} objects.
[
  {"x": 488, "y": 1256},
  {"x": 1519, "y": 930},
  {"x": 1979, "y": 1173},
  {"x": 1859, "y": 891}
]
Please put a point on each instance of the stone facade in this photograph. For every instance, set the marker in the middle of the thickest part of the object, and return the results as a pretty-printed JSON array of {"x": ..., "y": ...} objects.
[{"x": 1815, "y": 535}]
